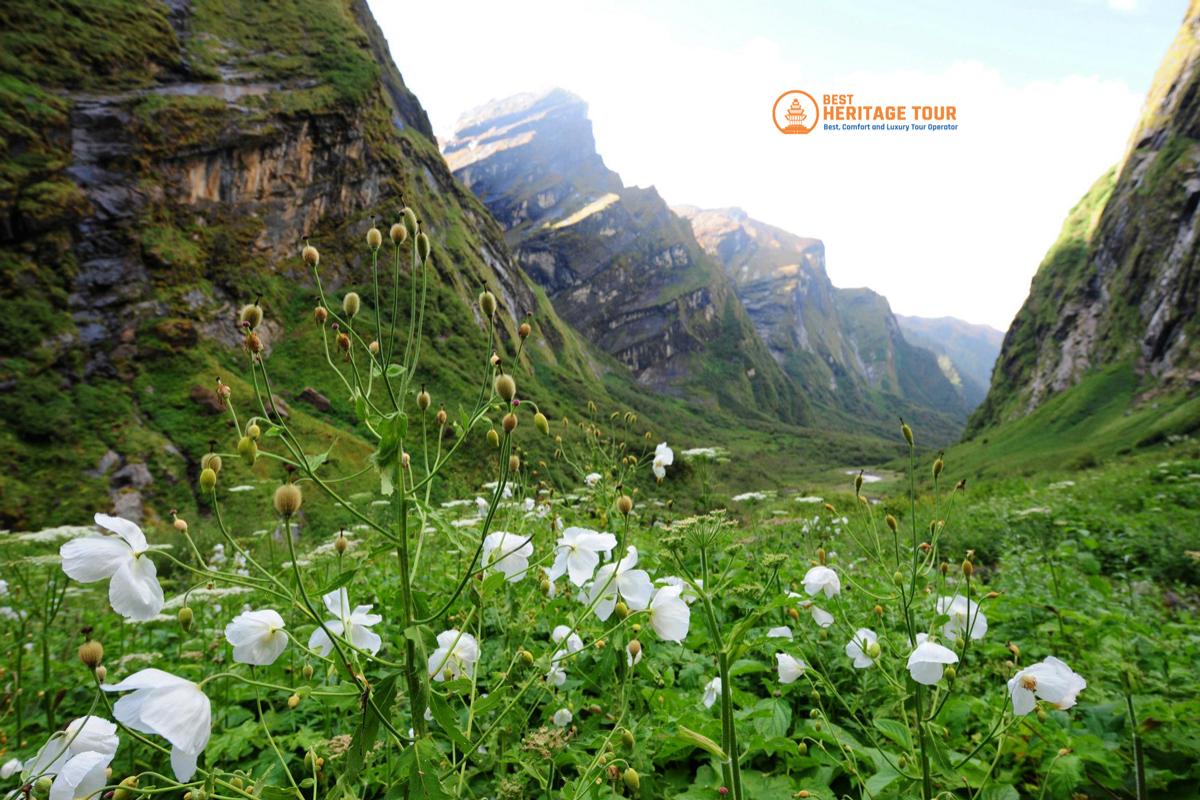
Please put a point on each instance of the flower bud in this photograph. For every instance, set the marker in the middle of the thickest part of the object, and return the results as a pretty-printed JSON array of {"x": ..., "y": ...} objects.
[
  {"x": 944, "y": 567},
  {"x": 288, "y": 499},
  {"x": 873, "y": 649},
  {"x": 101, "y": 673},
  {"x": 351, "y": 303},
  {"x": 251, "y": 316},
  {"x": 938, "y": 465},
  {"x": 541, "y": 423},
  {"x": 91, "y": 653},
  {"x": 398, "y": 233},
  {"x": 878, "y": 610},
  {"x": 968, "y": 569},
  {"x": 253, "y": 431},
  {"x": 405, "y": 460},
  {"x": 820, "y": 555},
  {"x": 208, "y": 480},
  {"x": 510, "y": 422},
  {"x": 487, "y": 304},
  {"x": 506, "y": 387},
  {"x": 441, "y": 417},
  {"x": 802, "y": 748},
  {"x": 185, "y": 618},
  {"x": 493, "y": 437},
  {"x": 907, "y": 431},
  {"x": 422, "y": 247},
  {"x": 891, "y": 522},
  {"x": 248, "y": 450},
  {"x": 311, "y": 256},
  {"x": 951, "y": 673},
  {"x": 600, "y": 644},
  {"x": 793, "y": 613},
  {"x": 625, "y": 504},
  {"x": 343, "y": 342},
  {"x": 373, "y": 347},
  {"x": 627, "y": 738},
  {"x": 179, "y": 524},
  {"x": 341, "y": 543},
  {"x": 374, "y": 238},
  {"x": 423, "y": 399},
  {"x": 252, "y": 343},
  {"x": 42, "y": 787},
  {"x": 514, "y": 463},
  {"x": 127, "y": 789},
  {"x": 410, "y": 221},
  {"x": 858, "y": 482},
  {"x": 898, "y": 577},
  {"x": 622, "y": 609},
  {"x": 632, "y": 780},
  {"x": 526, "y": 657},
  {"x": 320, "y": 315},
  {"x": 524, "y": 330},
  {"x": 307, "y": 671},
  {"x": 294, "y": 700},
  {"x": 211, "y": 461}
]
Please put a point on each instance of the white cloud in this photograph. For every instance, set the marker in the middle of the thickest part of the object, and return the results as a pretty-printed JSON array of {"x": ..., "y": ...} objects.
[
  {"x": 1123, "y": 5},
  {"x": 942, "y": 224}
]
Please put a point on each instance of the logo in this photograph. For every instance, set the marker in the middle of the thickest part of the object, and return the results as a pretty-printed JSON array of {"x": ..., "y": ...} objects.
[{"x": 796, "y": 111}]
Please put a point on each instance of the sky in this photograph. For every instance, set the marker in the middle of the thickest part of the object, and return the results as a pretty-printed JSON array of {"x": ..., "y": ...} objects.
[{"x": 680, "y": 93}]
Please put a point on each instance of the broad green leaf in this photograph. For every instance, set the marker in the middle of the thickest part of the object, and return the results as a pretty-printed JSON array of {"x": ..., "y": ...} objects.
[{"x": 896, "y": 731}]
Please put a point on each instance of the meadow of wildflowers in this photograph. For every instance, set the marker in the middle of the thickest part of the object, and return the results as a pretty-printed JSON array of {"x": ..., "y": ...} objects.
[{"x": 578, "y": 640}]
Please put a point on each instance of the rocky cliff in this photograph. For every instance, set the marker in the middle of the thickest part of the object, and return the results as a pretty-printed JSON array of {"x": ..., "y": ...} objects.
[
  {"x": 161, "y": 164},
  {"x": 844, "y": 346},
  {"x": 617, "y": 263},
  {"x": 966, "y": 352},
  {"x": 1122, "y": 284}
]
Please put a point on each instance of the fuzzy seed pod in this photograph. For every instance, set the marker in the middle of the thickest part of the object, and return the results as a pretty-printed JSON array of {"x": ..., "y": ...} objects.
[
  {"x": 341, "y": 543},
  {"x": 343, "y": 342},
  {"x": 185, "y": 618},
  {"x": 91, "y": 653},
  {"x": 541, "y": 423},
  {"x": 351, "y": 303},
  {"x": 625, "y": 504},
  {"x": 506, "y": 387},
  {"x": 441, "y": 417},
  {"x": 398, "y": 233},
  {"x": 907, "y": 431},
  {"x": 373, "y": 347},
  {"x": 493, "y": 437},
  {"x": 311, "y": 256},
  {"x": 968, "y": 569},
  {"x": 514, "y": 463},
  {"x": 891, "y": 522},
  {"x": 487, "y": 304},
  {"x": 410, "y": 221},
  {"x": 294, "y": 700},
  {"x": 374, "y": 238},
  {"x": 320, "y": 315},
  {"x": 208, "y": 480},
  {"x": 288, "y": 499},
  {"x": 248, "y": 450},
  {"x": 423, "y": 247},
  {"x": 423, "y": 399},
  {"x": 509, "y": 422},
  {"x": 180, "y": 524},
  {"x": 524, "y": 330},
  {"x": 251, "y": 316},
  {"x": 252, "y": 343},
  {"x": 633, "y": 781},
  {"x": 211, "y": 461}
]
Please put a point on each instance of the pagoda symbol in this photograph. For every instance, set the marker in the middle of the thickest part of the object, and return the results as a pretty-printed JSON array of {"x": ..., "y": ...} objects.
[{"x": 795, "y": 117}]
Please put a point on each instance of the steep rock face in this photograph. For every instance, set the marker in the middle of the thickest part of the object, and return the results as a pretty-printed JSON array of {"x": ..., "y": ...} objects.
[
  {"x": 843, "y": 345},
  {"x": 1122, "y": 284},
  {"x": 618, "y": 264},
  {"x": 966, "y": 352},
  {"x": 161, "y": 164}
]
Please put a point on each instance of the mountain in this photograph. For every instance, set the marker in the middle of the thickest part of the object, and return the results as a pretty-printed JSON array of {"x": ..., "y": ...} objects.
[
  {"x": 844, "y": 346},
  {"x": 1120, "y": 288},
  {"x": 966, "y": 352},
  {"x": 616, "y": 262}
]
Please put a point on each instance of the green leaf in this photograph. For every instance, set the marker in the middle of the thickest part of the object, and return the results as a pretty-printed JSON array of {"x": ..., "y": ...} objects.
[
  {"x": 447, "y": 720},
  {"x": 394, "y": 370},
  {"x": 419, "y": 761},
  {"x": 342, "y": 579},
  {"x": 383, "y": 693},
  {"x": 772, "y": 717},
  {"x": 995, "y": 792},
  {"x": 896, "y": 731}
]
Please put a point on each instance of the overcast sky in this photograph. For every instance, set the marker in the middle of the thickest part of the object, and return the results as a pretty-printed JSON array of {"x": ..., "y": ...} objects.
[{"x": 680, "y": 94}]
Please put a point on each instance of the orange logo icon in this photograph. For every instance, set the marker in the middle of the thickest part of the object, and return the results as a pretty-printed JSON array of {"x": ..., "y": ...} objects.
[{"x": 796, "y": 111}]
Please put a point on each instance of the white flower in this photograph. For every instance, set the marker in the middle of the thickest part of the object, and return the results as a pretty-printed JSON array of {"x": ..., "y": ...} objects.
[
  {"x": 782, "y": 632},
  {"x": 822, "y": 579},
  {"x": 257, "y": 637},
  {"x": 82, "y": 777},
  {"x": 74, "y": 756},
  {"x": 508, "y": 553},
  {"x": 347, "y": 623},
  {"x": 633, "y": 585},
  {"x": 4, "y": 593},
  {"x": 669, "y": 614},
  {"x": 133, "y": 591},
  {"x": 174, "y": 708},
  {"x": 577, "y": 554},
  {"x": 557, "y": 674},
  {"x": 1051, "y": 680},
  {"x": 663, "y": 458},
  {"x": 591, "y": 479},
  {"x": 928, "y": 660},
  {"x": 564, "y": 632},
  {"x": 964, "y": 614},
  {"x": 562, "y": 717},
  {"x": 712, "y": 690},
  {"x": 790, "y": 669},
  {"x": 819, "y": 615},
  {"x": 688, "y": 594},
  {"x": 553, "y": 590},
  {"x": 454, "y": 657},
  {"x": 857, "y": 647},
  {"x": 10, "y": 768}
]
